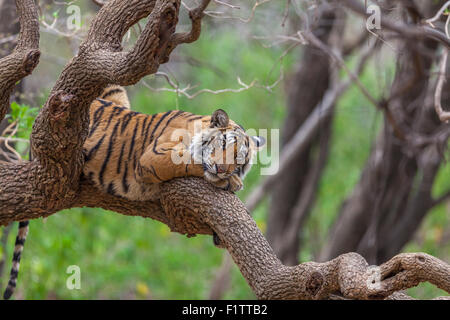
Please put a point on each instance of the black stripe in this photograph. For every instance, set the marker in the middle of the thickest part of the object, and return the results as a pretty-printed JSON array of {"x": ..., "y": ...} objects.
[
  {"x": 91, "y": 152},
  {"x": 16, "y": 256},
  {"x": 108, "y": 153},
  {"x": 104, "y": 103},
  {"x": 13, "y": 275},
  {"x": 157, "y": 125},
  {"x": 8, "y": 293},
  {"x": 20, "y": 241},
  {"x": 97, "y": 116},
  {"x": 111, "y": 92},
  {"x": 116, "y": 111},
  {"x": 146, "y": 133},
  {"x": 136, "y": 127},
  {"x": 126, "y": 120},
  {"x": 196, "y": 118},
  {"x": 110, "y": 189},
  {"x": 124, "y": 179},
  {"x": 162, "y": 131},
  {"x": 154, "y": 173},
  {"x": 23, "y": 224},
  {"x": 119, "y": 162},
  {"x": 143, "y": 125}
]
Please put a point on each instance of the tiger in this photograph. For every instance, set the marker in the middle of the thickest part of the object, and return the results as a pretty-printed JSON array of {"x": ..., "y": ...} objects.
[{"x": 128, "y": 154}]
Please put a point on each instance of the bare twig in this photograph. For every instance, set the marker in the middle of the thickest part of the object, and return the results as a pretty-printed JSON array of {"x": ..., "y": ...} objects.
[
  {"x": 227, "y": 4},
  {"x": 438, "y": 15},
  {"x": 218, "y": 14},
  {"x": 8, "y": 39},
  {"x": 2, "y": 139},
  {"x": 10, "y": 131},
  {"x": 444, "y": 116},
  {"x": 407, "y": 31},
  {"x": 337, "y": 57},
  {"x": 185, "y": 91}
]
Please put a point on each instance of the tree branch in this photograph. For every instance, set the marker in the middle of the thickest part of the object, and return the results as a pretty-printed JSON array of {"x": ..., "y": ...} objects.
[
  {"x": 444, "y": 116},
  {"x": 25, "y": 56},
  {"x": 269, "y": 278}
]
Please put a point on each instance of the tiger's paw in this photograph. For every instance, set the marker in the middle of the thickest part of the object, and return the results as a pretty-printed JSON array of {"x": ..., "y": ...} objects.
[
  {"x": 232, "y": 183},
  {"x": 235, "y": 183}
]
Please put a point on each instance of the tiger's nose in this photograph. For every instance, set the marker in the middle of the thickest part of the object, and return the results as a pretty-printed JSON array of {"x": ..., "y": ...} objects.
[{"x": 221, "y": 168}]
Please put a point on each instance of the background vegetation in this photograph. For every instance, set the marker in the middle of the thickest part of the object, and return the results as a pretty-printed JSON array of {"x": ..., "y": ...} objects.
[{"x": 135, "y": 258}]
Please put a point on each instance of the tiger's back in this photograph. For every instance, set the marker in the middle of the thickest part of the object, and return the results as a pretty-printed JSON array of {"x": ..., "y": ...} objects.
[{"x": 116, "y": 140}]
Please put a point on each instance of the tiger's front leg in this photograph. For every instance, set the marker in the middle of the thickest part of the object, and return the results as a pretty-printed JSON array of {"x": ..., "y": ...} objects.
[
  {"x": 166, "y": 161},
  {"x": 171, "y": 160},
  {"x": 232, "y": 183}
]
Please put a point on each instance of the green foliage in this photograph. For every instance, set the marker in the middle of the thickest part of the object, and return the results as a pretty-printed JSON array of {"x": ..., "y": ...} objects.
[{"x": 24, "y": 115}]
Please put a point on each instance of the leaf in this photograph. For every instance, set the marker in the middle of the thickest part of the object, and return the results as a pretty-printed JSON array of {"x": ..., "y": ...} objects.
[{"x": 142, "y": 289}]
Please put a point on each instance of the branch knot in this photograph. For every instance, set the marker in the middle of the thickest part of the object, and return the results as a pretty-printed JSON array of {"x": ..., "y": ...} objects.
[{"x": 30, "y": 61}]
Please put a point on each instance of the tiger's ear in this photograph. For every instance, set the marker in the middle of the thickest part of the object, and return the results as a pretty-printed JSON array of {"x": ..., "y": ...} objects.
[
  {"x": 219, "y": 119},
  {"x": 259, "y": 141}
]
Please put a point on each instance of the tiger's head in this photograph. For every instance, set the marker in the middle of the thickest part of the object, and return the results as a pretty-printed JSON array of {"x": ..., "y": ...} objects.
[{"x": 223, "y": 147}]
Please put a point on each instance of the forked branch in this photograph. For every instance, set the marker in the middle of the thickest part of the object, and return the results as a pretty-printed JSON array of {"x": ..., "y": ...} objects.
[{"x": 348, "y": 274}]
